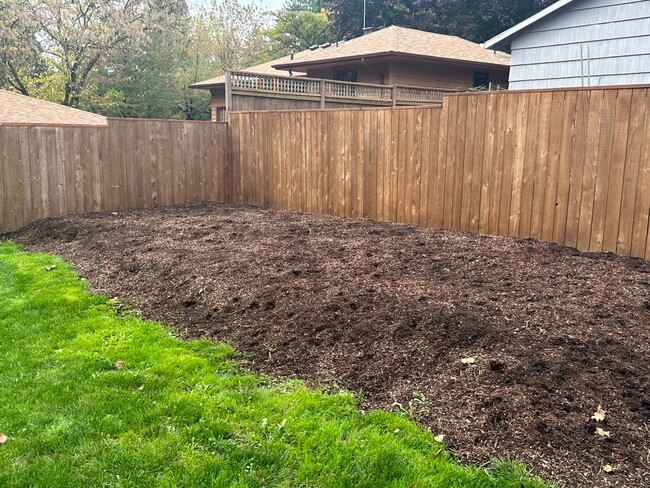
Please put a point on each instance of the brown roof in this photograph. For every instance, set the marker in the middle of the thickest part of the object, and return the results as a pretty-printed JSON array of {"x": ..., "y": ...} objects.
[
  {"x": 262, "y": 69},
  {"x": 19, "y": 109},
  {"x": 400, "y": 40}
]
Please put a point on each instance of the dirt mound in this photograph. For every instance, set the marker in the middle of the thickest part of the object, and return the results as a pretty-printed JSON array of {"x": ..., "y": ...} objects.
[{"x": 391, "y": 311}]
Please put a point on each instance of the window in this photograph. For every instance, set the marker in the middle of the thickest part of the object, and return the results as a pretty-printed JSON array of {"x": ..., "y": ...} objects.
[
  {"x": 345, "y": 75},
  {"x": 481, "y": 79}
]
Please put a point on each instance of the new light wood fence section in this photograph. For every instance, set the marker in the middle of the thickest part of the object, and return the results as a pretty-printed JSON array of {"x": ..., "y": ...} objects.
[
  {"x": 567, "y": 166},
  {"x": 131, "y": 164}
]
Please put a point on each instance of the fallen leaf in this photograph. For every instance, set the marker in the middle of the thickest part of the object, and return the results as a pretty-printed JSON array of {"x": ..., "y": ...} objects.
[
  {"x": 397, "y": 431},
  {"x": 119, "y": 365},
  {"x": 608, "y": 468},
  {"x": 603, "y": 433},
  {"x": 141, "y": 388},
  {"x": 3, "y": 438},
  {"x": 50, "y": 268},
  {"x": 599, "y": 415},
  {"x": 439, "y": 438},
  {"x": 470, "y": 360}
]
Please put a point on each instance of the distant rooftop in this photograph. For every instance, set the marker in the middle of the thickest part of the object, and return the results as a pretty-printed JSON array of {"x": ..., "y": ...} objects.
[
  {"x": 395, "y": 40},
  {"x": 20, "y": 109}
]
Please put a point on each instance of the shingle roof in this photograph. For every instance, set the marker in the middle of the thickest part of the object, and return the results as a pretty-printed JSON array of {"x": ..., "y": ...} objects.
[
  {"x": 400, "y": 40},
  {"x": 262, "y": 69},
  {"x": 19, "y": 109}
]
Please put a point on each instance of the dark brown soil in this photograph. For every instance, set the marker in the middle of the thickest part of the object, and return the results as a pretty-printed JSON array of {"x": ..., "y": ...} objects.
[{"x": 391, "y": 310}]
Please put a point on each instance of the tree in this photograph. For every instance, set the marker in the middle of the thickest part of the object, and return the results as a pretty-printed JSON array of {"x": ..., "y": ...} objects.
[
  {"x": 153, "y": 81},
  {"x": 73, "y": 37},
  {"x": 347, "y": 15},
  {"x": 476, "y": 20},
  {"x": 296, "y": 30},
  {"x": 127, "y": 58},
  {"x": 230, "y": 35}
]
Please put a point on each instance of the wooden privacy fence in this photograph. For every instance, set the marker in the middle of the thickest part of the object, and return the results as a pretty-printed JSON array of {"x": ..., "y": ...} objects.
[
  {"x": 57, "y": 170},
  {"x": 567, "y": 166}
]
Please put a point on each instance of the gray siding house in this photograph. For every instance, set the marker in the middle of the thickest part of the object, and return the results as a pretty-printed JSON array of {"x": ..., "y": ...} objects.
[{"x": 579, "y": 43}]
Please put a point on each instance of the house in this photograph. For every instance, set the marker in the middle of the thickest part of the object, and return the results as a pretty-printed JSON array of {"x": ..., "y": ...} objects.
[
  {"x": 391, "y": 66},
  {"x": 20, "y": 109},
  {"x": 580, "y": 43}
]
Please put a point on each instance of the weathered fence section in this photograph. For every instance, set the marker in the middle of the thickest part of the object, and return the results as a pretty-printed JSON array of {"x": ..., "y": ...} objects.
[
  {"x": 566, "y": 166},
  {"x": 50, "y": 171}
]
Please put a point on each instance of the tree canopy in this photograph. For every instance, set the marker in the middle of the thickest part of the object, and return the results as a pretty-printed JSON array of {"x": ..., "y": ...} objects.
[{"x": 476, "y": 20}]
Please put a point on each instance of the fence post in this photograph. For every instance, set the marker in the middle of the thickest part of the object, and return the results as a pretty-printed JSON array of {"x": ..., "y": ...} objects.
[
  {"x": 322, "y": 94},
  {"x": 228, "y": 91}
]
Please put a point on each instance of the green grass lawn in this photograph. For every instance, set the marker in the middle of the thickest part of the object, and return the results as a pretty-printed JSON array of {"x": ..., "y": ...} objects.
[{"x": 179, "y": 413}]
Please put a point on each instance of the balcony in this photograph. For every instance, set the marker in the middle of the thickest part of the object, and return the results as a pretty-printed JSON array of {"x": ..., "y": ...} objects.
[{"x": 251, "y": 91}]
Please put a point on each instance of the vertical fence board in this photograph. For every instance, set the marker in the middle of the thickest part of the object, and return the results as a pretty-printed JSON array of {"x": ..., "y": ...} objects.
[
  {"x": 605, "y": 150},
  {"x": 476, "y": 190},
  {"x": 588, "y": 188},
  {"x": 518, "y": 163},
  {"x": 487, "y": 166},
  {"x": 640, "y": 233},
  {"x": 633, "y": 173},
  {"x": 528, "y": 164},
  {"x": 541, "y": 168},
  {"x": 426, "y": 147},
  {"x": 563, "y": 174},
  {"x": 614, "y": 198}
]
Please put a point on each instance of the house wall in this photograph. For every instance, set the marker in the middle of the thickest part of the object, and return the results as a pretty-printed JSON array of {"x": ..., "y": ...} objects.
[
  {"x": 588, "y": 42},
  {"x": 217, "y": 101},
  {"x": 441, "y": 75},
  {"x": 375, "y": 73},
  {"x": 430, "y": 75}
]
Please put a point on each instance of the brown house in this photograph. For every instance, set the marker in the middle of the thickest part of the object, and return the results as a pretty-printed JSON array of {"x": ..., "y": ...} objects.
[{"x": 392, "y": 66}]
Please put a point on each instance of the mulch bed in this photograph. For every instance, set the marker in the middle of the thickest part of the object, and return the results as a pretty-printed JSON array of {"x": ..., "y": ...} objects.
[{"x": 390, "y": 311}]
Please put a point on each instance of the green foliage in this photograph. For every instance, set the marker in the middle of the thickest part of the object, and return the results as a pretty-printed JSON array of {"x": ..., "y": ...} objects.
[
  {"x": 296, "y": 30},
  {"x": 75, "y": 37},
  {"x": 476, "y": 20},
  {"x": 126, "y": 59},
  {"x": 92, "y": 397}
]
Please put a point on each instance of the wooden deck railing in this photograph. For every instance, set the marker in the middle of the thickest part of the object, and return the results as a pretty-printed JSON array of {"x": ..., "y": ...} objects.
[
  {"x": 284, "y": 84},
  {"x": 419, "y": 94},
  {"x": 241, "y": 81}
]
